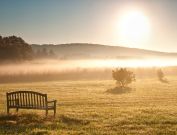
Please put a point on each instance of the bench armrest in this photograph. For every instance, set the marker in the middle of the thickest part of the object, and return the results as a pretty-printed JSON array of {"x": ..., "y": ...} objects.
[{"x": 52, "y": 101}]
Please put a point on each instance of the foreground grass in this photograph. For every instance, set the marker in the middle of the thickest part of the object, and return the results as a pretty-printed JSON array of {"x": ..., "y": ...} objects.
[{"x": 96, "y": 108}]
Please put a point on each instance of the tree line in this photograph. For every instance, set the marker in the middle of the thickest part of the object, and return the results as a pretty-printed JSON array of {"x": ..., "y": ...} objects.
[
  {"x": 44, "y": 53},
  {"x": 14, "y": 48}
]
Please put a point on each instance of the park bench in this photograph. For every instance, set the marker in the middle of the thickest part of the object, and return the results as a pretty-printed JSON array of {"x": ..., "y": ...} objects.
[{"x": 29, "y": 100}]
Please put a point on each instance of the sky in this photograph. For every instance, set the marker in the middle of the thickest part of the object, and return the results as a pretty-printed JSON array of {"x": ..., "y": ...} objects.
[{"x": 90, "y": 21}]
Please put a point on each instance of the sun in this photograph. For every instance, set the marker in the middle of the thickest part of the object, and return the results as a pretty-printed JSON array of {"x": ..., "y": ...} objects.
[{"x": 133, "y": 26}]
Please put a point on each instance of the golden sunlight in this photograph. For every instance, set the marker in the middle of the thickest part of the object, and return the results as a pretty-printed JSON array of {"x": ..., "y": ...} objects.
[{"x": 133, "y": 27}]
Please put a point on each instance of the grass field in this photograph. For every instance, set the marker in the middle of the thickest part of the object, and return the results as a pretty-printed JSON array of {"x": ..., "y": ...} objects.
[{"x": 96, "y": 108}]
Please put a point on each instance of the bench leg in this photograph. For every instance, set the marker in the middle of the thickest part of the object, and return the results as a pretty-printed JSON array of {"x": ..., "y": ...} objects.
[
  {"x": 17, "y": 109},
  {"x": 54, "y": 111},
  {"x": 7, "y": 110},
  {"x": 46, "y": 113},
  {"x": 54, "y": 108}
]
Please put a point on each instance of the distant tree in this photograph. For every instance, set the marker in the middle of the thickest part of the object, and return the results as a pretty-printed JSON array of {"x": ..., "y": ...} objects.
[
  {"x": 0, "y": 40},
  {"x": 123, "y": 77},
  {"x": 44, "y": 52},
  {"x": 161, "y": 76},
  {"x": 51, "y": 53},
  {"x": 38, "y": 53}
]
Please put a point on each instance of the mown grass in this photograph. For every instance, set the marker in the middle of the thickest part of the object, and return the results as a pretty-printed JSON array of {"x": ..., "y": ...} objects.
[{"x": 149, "y": 107}]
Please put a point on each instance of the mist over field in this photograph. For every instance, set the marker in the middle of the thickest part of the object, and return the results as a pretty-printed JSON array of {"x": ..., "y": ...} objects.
[{"x": 53, "y": 69}]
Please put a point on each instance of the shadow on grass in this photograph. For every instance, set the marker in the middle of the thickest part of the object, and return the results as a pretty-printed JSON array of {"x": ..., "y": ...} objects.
[
  {"x": 164, "y": 81},
  {"x": 35, "y": 124},
  {"x": 25, "y": 123},
  {"x": 29, "y": 118},
  {"x": 73, "y": 121},
  {"x": 119, "y": 90}
]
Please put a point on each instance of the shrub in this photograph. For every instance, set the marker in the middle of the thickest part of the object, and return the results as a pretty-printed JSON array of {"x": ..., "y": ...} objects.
[
  {"x": 123, "y": 77},
  {"x": 160, "y": 74}
]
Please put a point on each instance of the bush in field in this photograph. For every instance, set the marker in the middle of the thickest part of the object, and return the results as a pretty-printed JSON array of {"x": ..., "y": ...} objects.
[
  {"x": 161, "y": 76},
  {"x": 123, "y": 77}
]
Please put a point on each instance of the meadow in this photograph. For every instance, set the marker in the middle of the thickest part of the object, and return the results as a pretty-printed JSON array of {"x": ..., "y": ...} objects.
[{"x": 147, "y": 107}]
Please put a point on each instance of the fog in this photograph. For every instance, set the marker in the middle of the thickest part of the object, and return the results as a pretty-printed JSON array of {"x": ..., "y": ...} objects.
[
  {"x": 43, "y": 65},
  {"x": 39, "y": 70}
]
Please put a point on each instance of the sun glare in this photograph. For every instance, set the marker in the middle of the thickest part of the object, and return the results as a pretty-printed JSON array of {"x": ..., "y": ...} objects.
[{"x": 133, "y": 27}]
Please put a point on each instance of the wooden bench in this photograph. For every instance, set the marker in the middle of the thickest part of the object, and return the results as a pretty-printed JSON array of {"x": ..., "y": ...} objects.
[{"x": 29, "y": 100}]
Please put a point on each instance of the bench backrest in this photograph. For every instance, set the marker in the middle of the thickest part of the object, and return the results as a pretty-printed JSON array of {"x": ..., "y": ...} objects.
[{"x": 26, "y": 99}]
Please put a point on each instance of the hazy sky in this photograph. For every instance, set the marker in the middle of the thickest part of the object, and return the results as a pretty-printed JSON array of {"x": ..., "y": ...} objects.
[{"x": 88, "y": 21}]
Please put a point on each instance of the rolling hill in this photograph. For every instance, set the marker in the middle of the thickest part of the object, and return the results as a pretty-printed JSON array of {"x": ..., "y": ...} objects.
[{"x": 97, "y": 51}]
